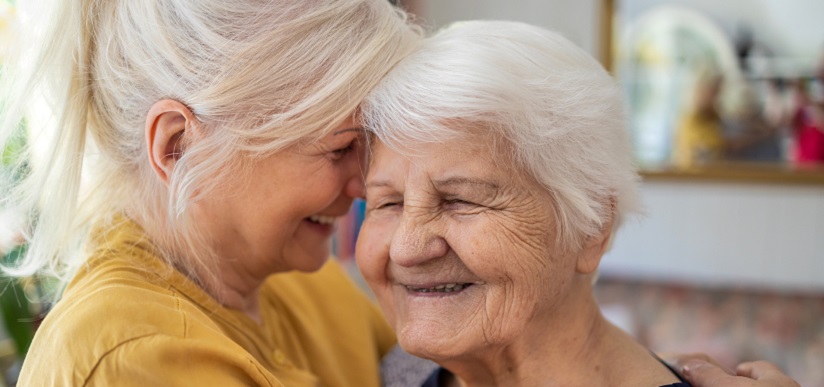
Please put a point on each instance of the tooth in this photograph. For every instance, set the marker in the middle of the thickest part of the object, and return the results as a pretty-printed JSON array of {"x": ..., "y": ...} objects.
[
  {"x": 451, "y": 285},
  {"x": 439, "y": 287},
  {"x": 327, "y": 220}
]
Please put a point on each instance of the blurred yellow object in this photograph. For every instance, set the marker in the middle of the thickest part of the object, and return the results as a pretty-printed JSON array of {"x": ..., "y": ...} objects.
[{"x": 699, "y": 140}]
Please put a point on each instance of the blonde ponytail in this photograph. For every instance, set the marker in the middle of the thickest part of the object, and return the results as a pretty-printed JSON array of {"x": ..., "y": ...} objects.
[
  {"x": 51, "y": 69},
  {"x": 259, "y": 76}
]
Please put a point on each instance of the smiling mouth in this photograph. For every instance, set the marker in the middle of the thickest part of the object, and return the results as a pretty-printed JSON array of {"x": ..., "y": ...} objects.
[
  {"x": 445, "y": 288},
  {"x": 320, "y": 219}
]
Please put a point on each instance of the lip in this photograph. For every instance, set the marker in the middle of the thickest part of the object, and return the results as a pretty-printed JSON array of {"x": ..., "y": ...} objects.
[
  {"x": 431, "y": 289},
  {"x": 325, "y": 230}
]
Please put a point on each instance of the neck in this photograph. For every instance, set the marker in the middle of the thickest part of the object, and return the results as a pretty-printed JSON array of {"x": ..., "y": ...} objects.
[
  {"x": 549, "y": 352},
  {"x": 572, "y": 346},
  {"x": 221, "y": 278},
  {"x": 227, "y": 285},
  {"x": 243, "y": 299},
  {"x": 236, "y": 290}
]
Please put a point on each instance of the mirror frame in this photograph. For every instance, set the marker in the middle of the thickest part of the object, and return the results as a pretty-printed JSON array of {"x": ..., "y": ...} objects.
[{"x": 733, "y": 172}]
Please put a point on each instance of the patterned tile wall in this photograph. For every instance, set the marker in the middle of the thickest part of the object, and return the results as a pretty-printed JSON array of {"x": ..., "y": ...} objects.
[{"x": 732, "y": 325}]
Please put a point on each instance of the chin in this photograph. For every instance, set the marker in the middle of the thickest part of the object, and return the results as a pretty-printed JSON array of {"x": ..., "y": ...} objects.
[
  {"x": 305, "y": 260},
  {"x": 313, "y": 263},
  {"x": 431, "y": 342}
]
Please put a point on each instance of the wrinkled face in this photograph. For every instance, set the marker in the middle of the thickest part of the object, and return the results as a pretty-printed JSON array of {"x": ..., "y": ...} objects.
[
  {"x": 282, "y": 217},
  {"x": 459, "y": 250}
]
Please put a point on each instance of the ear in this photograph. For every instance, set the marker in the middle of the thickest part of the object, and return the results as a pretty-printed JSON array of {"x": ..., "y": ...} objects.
[
  {"x": 167, "y": 122},
  {"x": 597, "y": 245}
]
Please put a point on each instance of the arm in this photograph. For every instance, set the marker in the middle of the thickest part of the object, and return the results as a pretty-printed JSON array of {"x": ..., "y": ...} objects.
[{"x": 702, "y": 371}]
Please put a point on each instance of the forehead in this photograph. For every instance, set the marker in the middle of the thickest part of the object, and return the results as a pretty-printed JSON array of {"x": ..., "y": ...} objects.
[{"x": 467, "y": 156}]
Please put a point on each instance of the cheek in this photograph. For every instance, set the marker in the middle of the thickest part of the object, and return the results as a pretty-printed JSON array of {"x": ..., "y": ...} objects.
[
  {"x": 516, "y": 259},
  {"x": 372, "y": 252},
  {"x": 505, "y": 249},
  {"x": 372, "y": 255}
]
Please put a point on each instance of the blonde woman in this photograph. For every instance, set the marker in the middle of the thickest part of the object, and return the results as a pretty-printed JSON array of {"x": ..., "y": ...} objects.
[{"x": 188, "y": 175}]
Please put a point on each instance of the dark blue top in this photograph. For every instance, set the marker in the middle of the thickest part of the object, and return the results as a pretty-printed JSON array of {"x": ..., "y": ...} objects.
[{"x": 440, "y": 374}]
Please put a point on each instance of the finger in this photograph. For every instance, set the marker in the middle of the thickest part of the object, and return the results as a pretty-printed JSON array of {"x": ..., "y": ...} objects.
[
  {"x": 756, "y": 369},
  {"x": 677, "y": 360},
  {"x": 765, "y": 371},
  {"x": 702, "y": 373}
]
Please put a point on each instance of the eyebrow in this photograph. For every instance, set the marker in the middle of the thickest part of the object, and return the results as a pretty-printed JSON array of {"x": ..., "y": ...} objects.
[
  {"x": 378, "y": 184},
  {"x": 348, "y": 130},
  {"x": 439, "y": 184},
  {"x": 462, "y": 181}
]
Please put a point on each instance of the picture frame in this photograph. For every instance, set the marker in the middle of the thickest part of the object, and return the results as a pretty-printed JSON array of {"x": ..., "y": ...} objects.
[{"x": 619, "y": 23}]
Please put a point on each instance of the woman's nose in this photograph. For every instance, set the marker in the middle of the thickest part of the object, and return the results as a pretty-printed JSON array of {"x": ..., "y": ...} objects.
[
  {"x": 416, "y": 241},
  {"x": 354, "y": 186}
]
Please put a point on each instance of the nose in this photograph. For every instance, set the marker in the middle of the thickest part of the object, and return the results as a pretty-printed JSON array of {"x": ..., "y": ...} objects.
[
  {"x": 356, "y": 173},
  {"x": 354, "y": 187},
  {"x": 416, "y": 240}
]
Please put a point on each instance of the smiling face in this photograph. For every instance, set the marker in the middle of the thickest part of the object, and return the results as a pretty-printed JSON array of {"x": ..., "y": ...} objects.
[
  {"x": 459, "y": 250},
  {"x": 282, "y": 216}
]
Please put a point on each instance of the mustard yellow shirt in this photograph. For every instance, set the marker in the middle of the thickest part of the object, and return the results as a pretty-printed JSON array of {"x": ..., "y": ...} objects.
[{"x": 128, "y": 319}]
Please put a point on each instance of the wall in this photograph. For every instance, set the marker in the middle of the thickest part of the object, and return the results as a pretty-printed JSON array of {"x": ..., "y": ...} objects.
[
  {"x": 752, "y": 235},
  {"x": 575, "y": 19}
]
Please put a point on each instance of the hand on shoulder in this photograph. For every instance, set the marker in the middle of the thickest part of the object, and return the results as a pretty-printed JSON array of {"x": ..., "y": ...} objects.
[{"x": 701, "y": 370}]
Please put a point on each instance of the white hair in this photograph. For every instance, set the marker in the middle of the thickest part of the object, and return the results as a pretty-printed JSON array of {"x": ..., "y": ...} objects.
[
  {"x": 559, "y": 112},
  {"x": 259, "y": 75}
]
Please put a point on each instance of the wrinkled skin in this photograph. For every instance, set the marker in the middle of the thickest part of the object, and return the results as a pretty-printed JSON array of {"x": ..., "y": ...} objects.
[{"x": 453, "y": 215}]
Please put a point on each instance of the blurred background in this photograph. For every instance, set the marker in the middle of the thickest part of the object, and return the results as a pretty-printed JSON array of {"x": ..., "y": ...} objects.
[{"x": 726, "y": 111}]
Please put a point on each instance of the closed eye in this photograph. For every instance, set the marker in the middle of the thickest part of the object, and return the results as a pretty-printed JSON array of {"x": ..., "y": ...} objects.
[
  {"x": 460, "y": 205},
  {"x": 388, "y": 205},
  {"x": 338, "y": 154}
]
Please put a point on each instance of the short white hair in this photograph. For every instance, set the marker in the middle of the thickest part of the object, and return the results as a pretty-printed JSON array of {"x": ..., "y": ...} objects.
[
  {"x": 558, "y": 110},
  {"x": 259, "y": 76}
]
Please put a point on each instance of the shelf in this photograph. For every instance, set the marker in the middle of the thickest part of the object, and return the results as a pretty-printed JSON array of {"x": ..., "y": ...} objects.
[{"x": 740, "y": 172}]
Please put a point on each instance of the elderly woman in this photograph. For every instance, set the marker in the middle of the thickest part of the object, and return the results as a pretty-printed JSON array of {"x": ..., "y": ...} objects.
[
  {"x": 198, "y": 154},
  {"x": 502, "y": 171}
]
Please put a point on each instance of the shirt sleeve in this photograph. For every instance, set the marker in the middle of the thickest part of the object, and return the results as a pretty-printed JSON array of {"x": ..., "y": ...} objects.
[{"x": 160, "y": 360}]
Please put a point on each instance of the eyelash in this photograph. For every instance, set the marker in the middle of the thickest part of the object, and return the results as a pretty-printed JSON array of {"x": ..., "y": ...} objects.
[
  {"x": 459, "y": 202},
  {"x": 338, "y": 154},
  {"x": 389, "y": 204}
]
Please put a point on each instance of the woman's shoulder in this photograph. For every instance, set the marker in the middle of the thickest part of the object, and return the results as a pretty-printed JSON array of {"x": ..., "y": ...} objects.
[
  {"x": 110, "y": 314},
  {"x": 315, "y": 308},
  {"x": 126, "y": 336},
  {"x": 331, "y": 285},
  {"x": 326, "y": 298},
  {"x": 117, "y": 289}
]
